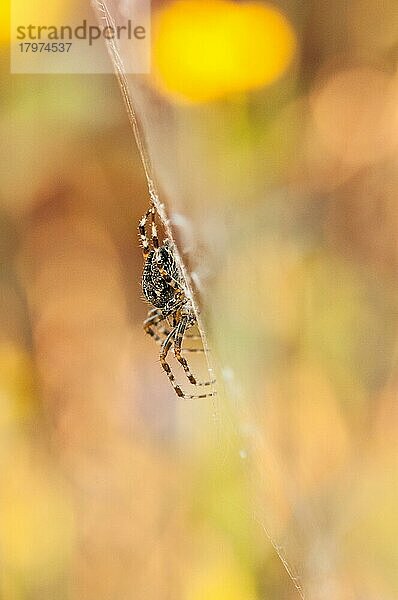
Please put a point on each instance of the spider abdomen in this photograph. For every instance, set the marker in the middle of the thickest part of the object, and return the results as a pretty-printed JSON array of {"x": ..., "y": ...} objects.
[{"x": 154, "y": 286}]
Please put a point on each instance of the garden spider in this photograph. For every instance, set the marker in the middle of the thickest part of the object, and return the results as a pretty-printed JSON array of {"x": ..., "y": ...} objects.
[{"x": 164, "y": 288}]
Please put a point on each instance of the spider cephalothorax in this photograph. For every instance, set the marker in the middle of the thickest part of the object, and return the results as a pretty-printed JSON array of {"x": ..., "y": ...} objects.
[{"x": 164, "y": 288}]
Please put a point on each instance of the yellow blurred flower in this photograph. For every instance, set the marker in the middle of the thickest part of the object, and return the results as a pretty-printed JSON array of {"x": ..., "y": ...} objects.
[{"x": 204, "y": 50}]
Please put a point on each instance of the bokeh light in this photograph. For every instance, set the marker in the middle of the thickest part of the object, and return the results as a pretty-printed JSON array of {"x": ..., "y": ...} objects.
[{"x": 206, "y": 50}]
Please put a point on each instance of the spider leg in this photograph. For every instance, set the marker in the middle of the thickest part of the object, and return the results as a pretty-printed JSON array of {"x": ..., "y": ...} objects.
[
  {"x": 151, "y": 327},
  {"x": 155, "y": 317},
  {"x": 164, "y": 331},
  {"x": 199, "y": 396},
  {"x": 163, "y": 356},
  {"x": 145, "y": 242},
  {"x": 192, "y": 350},
  {"x": 180, "y": 331},
  {"x": 167, "y": 343},
  {"x": 191, "y": 336}
]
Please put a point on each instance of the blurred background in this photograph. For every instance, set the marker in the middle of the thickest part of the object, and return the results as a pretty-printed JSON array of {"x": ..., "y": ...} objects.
[{"x": 273, "y": 133}]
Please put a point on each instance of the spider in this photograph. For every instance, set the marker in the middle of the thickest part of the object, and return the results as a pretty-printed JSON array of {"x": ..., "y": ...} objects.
[{"x": 164, "y": 288}]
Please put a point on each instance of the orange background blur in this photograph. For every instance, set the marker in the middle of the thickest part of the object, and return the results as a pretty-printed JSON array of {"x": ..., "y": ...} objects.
[{"x": 273, "y": 133}]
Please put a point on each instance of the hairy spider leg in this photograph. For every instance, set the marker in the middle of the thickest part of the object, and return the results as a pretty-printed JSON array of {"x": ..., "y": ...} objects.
[
  {"x": 145, "y": 243},
  {"x": 192, "y": 336},
  {"x": 156, "y": 316},
  {"x": 166, "y": 367},
  {"x": 151, "y": 323},
  {"x": 178, "y": 339},
  {"x": 154, "y": 234},
  {"x": 163, "y": 331},
  {"x": 158, "y": 333},
  {"x": 163, "y": 356}
]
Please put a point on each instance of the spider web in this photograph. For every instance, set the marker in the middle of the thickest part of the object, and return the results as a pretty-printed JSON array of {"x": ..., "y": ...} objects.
[
  {"x": 105, "y": 16},
  {"x": 108, "y": 14}
]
